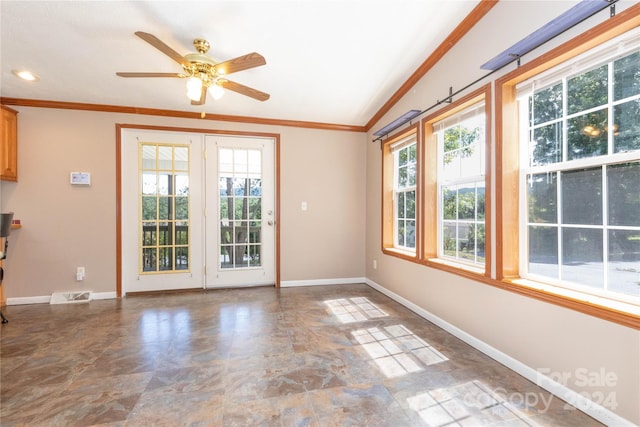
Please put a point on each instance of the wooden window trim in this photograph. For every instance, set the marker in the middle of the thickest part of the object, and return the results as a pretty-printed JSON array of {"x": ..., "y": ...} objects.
[
  {"x": 507, "y": 177},
  {"x": 388, "y": 247},
  {"x": 429, "y": 206}
]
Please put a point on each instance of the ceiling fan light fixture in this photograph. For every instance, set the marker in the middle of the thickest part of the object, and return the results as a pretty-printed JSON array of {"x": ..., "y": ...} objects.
[
  {"x": 194, "y": 88},
  {"x": 216, "y": 91}
]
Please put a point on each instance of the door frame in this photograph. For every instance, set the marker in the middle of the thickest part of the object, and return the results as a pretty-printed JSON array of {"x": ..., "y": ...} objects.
[{"x": 121, "y": 126}]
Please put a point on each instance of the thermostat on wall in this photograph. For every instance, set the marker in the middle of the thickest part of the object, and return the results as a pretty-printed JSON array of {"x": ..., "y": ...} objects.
[{"x": 80, "y": 178}]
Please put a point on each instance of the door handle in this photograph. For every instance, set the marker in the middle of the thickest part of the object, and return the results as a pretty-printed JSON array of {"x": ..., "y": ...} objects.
[{"x": 270, "y": 222}]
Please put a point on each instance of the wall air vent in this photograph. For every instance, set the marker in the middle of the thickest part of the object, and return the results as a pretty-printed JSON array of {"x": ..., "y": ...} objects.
[
  {"x": 571, "y": 17},
  {"x": 409, "y": 115}
]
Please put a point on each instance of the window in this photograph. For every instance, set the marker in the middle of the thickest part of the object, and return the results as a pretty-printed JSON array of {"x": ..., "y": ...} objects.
[
  {"x": 404, "y": 193},
  {"x": 579, "y": 174},
  {"x": 400, "y": 193},
  {"x": 164, "y": 207},
  {"x": 456, "y": 235},
  {"x": 461, "y": 185}
]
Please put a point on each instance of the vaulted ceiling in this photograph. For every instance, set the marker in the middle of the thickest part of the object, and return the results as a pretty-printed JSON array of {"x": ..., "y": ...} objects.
[{"x": 327, "y": 61}]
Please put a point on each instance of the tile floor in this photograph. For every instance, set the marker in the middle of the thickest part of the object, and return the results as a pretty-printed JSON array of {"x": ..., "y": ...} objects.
[{"x": 314, "y": 356}]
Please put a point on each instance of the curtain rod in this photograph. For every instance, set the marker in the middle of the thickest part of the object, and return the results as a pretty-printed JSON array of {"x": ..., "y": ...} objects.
[{"x": 449, "y": 99}]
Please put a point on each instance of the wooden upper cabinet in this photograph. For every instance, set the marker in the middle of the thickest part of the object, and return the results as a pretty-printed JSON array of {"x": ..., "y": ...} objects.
[{"x": 9, "y": 145}]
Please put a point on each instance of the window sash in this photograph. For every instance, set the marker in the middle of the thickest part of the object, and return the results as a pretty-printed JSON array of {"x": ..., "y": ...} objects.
[{"x": 562, "y": 273}]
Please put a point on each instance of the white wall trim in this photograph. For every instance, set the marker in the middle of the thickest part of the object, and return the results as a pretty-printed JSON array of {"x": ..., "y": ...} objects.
[
  {"x": 104, "y": 295},
  {"x": 46, "y": 299},
  {"x": 587, "y": 406},
  {"x": 29, "y": 300},
  {"x": 321, "y": 282}
]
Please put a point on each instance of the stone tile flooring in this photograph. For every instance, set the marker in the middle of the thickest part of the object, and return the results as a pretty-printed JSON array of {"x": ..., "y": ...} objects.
[{"x": 313, "y": 356}]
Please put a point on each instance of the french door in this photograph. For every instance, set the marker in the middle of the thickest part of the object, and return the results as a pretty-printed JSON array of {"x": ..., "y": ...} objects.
[
  {"x": 240, "y": 219},
  {"x": 197, "y": 211}
]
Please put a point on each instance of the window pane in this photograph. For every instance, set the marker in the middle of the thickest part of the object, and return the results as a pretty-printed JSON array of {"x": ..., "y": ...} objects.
[
  {"x": 165, "y": 259},
  {"x": 626, "y": 76},
  {"x": 149, "y": 183},
  {"x": 547, "y": 144},
  {"x": 164, "y": 208},
  {"x": 481, "y": 200},
  {"x": 478, "y": 235},
  {"x": 623, "y": 185},
  {"x": 165, "y": 156},
  {"x": 542, "y": 195},
  {"x": 547, "y": 105},
  {"x": 182, "y": 233},
  {"x": 182, "y": 184},
  {"x": 582, "y": 197},
  {"x": 181, "y": 160},
  {"x": 182, "y": 207},
  {"x": 255, "y": 187},
  {"x": 401, "y": 206},
  {"x": 182, "y": 258},
  {"x": 587, "y": 135},
  {"x": 582, "y": 256},
  {"x": 411, "y": 204},
  {"x": 402, "y": 177},
  {"x": 626, "y": 126},
  {"x": 466, "y": 202},
  {"x": 149, "y": 236},
  {"x": 624, "y": 259},
  {"x": 543, "y": 251},
  {"x": 403, "y": 157},
  {"x": 410, "y": 234},
  {"x": 449, "y": 203},
  {"x": 149, "y": 208},
  {"x": 400, "y": 232},
  {"x": 587, "y": 90},
  {"x": 449, "y": 236}
]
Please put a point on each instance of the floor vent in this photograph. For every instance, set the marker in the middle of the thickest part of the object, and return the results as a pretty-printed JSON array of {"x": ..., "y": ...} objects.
[{"x": 70, "y": 297}]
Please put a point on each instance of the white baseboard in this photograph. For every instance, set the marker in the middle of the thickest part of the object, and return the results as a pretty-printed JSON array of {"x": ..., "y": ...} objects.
[
  {"x": 104, "y": 295},
  {"x": 29, "y": 300},
  {"x": 46, "y": 299},
  {"x": 321, "y": 282},
  {"x": 587, "y": 406}
]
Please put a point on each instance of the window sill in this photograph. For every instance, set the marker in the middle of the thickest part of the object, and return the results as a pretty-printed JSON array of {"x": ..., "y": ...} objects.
[
  {"x": 452, "y": 265},
  {"x": 623, "y": 313},
  {"x": 400, "y": 253}
]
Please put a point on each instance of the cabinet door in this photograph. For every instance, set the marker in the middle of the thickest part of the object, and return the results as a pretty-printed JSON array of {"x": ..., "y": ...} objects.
[{"x": 9, "y": 145}]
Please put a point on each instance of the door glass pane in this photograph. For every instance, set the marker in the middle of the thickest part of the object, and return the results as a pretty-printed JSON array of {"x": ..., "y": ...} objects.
[
  {"x": 239, "y": 200},
  {"x": 164, "y": 208}
]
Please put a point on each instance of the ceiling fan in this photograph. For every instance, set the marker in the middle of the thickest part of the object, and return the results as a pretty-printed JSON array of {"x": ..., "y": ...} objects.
[{"x": 202, "y": 72}]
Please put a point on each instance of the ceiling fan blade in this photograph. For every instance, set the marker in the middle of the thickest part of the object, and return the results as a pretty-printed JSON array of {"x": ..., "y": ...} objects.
[
  {"x": 161, "y": 46},
  {"x": 203, "y": 97},
  {"x": 244, "y": 90},
  {"x": 150, "y": 75},
  {"x": 240, "y": 63}
]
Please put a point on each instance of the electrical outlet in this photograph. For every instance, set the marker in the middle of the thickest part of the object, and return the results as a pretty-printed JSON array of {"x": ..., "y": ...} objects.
[
  {"x": 80, "y": 274},
  {"x": 375, "y": 264}
]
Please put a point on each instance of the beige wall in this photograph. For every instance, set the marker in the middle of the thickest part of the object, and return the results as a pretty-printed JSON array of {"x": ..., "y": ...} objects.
[
  {"x": 67, "y": 226},
  {"x": 542, "y": 336}
]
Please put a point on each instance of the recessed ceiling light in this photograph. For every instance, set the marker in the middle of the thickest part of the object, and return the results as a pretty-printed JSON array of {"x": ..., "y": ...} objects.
[{"x": 26, "y": 75}]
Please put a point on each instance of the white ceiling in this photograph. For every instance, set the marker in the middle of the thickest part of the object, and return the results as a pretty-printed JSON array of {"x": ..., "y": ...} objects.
[{"x": 330, "y": 61}]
